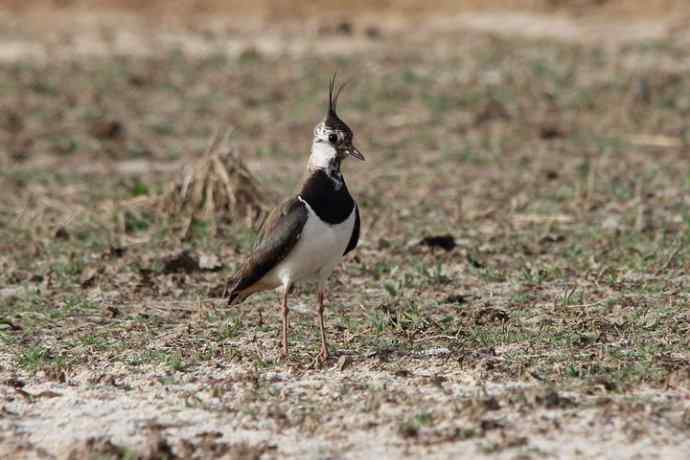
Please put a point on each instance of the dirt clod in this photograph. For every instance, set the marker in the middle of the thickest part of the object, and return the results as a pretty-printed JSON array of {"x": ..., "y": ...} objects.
[
  {"x": 553, "y": 400},
  {"x": 61, "y": 234},
  {"x": 446, "y": 242},
  {"x": 108, "y": 129}
]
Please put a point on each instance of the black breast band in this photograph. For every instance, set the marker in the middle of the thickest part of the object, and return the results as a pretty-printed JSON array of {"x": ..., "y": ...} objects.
[{"x": 330, "y": 201}]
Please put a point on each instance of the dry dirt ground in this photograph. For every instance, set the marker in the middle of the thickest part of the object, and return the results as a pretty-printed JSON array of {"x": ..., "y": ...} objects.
[{"x": 548, "y": 319}]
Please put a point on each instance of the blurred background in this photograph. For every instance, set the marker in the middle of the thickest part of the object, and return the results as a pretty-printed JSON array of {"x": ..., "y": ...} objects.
[
  {"x": 282, "y": 9},
  {"x": 525, "y": 227}
]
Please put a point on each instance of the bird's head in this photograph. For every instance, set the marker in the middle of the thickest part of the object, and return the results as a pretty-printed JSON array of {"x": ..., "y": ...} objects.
[{"x": 332, "y": 137}]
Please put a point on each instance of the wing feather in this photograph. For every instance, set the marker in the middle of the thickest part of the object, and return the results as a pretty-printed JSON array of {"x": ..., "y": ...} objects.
[{"x": 277, "y": 237}]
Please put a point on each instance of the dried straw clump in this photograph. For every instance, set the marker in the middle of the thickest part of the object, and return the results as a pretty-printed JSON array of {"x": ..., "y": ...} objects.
[{"x": 216, "y": 187}]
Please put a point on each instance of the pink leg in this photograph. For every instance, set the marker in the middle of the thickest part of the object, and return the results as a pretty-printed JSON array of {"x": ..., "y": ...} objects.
[
  {"x": 323, "y": 355},
  {"x": 284, "y": 351}
]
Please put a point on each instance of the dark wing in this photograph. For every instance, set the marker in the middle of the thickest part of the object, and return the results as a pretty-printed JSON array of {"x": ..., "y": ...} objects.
[
  {"x": 355, "y": 233},
  {"x": 277, "y": 236},
  {"x": 277, "y": 218}
]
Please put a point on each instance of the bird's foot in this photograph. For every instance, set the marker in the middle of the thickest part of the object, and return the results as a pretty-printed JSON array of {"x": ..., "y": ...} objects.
[{"x": 323, "y": 354}]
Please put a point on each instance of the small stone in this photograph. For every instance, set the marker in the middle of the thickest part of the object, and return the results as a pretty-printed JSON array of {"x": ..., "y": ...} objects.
[
  {"x": 209, "y": 262},
  {"x": 612, "y": 224},
  {"x": 61, "y": 234},
  {"x": 87, "y": 278},
  {"x": 344, "y": 362}
]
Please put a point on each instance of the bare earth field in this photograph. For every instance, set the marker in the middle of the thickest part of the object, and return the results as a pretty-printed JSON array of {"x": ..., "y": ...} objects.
[{"x": 552, "y": 155}]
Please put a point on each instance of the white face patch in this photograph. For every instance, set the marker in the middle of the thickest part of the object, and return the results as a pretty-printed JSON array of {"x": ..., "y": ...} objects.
[{"x": 324, "y": 155}]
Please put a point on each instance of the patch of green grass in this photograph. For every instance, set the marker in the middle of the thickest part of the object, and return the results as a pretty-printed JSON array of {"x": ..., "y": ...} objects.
[
  {"x": 75, "y": 304},
  {"x": 139, "y": 189},
  {"x": 231, "y": 329},
  {"x": 493, "y": 275},
  {"x": 175, "y": 362},
  {"x": 200, "y": 229},
  {"x": 522, "y": 298},
  {"x": 137, "y": 222},
  {"x": 162, "y": 128},
  {"x": 95, "y": 342},
  {"x": 433, "y": 276},
  {"x": 392, "y": 289},
  {"x": 410, "y": 428},
  {"x": 424, "y": 419},
  {"x": 37, "y": 357},
  {"x": 6, "y": 336},
  {"x": 68, "y": 269}
]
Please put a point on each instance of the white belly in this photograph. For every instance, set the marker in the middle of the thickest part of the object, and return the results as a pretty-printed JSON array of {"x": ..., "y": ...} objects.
[{"x": 317, "y": 252}]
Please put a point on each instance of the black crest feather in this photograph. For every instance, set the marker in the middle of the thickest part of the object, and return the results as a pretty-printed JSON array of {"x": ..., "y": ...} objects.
[
  {"x": 334, "y": 94},
  {"x": 332, "y": 119},
  {"x": 331, "y": 87}
]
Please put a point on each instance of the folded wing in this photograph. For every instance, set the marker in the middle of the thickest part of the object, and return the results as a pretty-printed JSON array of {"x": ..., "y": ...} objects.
[{"x": 277, "y": 237}]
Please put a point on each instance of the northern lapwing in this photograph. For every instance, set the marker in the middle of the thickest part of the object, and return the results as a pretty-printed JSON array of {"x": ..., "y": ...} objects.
[{"x": 307, "y": 235}]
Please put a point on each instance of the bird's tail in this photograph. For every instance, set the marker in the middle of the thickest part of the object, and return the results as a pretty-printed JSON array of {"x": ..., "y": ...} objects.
[{"x": 233, "y": 293}]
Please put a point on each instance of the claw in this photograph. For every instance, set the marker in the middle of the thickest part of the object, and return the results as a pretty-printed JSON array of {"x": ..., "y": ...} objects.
[{"x": 323, "y": 355}]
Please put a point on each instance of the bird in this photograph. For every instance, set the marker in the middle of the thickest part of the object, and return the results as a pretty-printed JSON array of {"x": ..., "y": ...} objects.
[{"x": 307, "y": 235}]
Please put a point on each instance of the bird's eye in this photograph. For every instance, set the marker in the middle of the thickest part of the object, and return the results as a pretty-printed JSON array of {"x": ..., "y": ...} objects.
[{"x": 332, "y": 138}]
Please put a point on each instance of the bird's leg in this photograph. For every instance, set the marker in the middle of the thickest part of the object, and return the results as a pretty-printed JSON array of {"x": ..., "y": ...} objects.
[
  {"x": 284, "y": 350},
  {"x": 323, "y": 355}
]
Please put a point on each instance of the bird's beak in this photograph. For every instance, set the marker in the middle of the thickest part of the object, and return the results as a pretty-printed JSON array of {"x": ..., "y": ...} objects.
[{"x": 354, "y": 152}]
